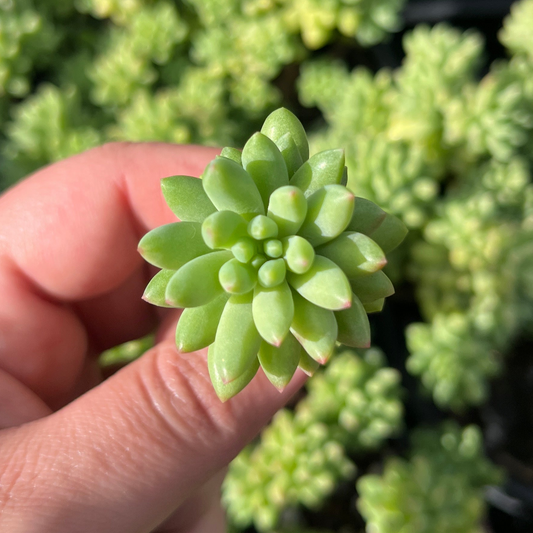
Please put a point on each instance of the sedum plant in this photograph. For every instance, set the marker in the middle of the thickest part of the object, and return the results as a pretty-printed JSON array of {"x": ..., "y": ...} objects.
[
  {"x": 274, "y": 260},
  {"x": 358, "y": 397},
  {"x": 439, "y": 489},
  {"x": 352, "y": 406},
  {"x": 212, "y": 65},
  {"x": 451, "y": 156},
  {"x": 296, "y": 463}
]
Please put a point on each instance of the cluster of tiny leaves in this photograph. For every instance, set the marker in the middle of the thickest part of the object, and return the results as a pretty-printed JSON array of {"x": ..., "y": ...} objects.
[
  {"x": 49, "y": 126},
  {"x": 516, "y": 34},
  {"x": 439, "y": 489},
  {"x": 27, "y": 38},
  {"x": 294, "y": 464},
  {"x": 302, "y": 455},
  {"x": 453, "y": 360},
  {"x": 359, "y": 398},
  {"x": 159, "y": 70},
  {"x": 392, "y": 124},
  {"x": 467, "y": 274},
  {"x": 368, "y": 21}
]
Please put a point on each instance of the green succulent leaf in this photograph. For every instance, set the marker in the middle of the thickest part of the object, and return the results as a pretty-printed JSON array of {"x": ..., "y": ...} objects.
[
  {"x": 307, "y": 364},
  {"x": 353, "y": 325},
  {"x": 324, "y": 168},
  {"x": 372, "y": 287},
  {"x": 156, "y": 288},
  {"x": 273, "y": 248},
  {"x": 236, "y": 277},
  {"x": 237, "y": 340},
  {"x": 355, "y": 253},
  {"x": 273, "y": 311},
  {"x": 232, "y": 153},
  {"x": 172, "y": 245},
  {"x": 262, "y": 227},
  {"x": 262, "y": 159},
  {"x": 258, "y": 260},
  {"x": 280, "y": 363},
  {"x": 223, "y": 229},
  {"x": 244, "y": 249},
  {"x": 366, "y": 217},
  {"x": 324, "y": 284},
  {"x": 197, "y": 326},
  {"x": 281, "y": 122},
  {"x": 225, "y": 391},
  {"x": 329, "y": 212},
  {"x": 298, "y": 254},
  {"x": 315, "y": 328},
  {"x": 186, "y": 198},
  {"x": 390, "y": 233},
  {"x": 196, "y": 283},
  {"x": 374, "y": 307},
  {"x": 290, "y": 153},
  {"x": 344, "y": 177},
  {"x": 288, "y": 209},
  {"x": 231, "y": 188},
  {"x": 272, "y": 273}
]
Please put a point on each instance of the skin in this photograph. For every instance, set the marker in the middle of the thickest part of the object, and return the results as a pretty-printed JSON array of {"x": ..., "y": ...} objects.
[{"x": 145, "y": 449}]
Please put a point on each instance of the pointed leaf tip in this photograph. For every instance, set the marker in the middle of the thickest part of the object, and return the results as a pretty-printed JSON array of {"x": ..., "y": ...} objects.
[
  {"x": 324, "y": 284},
  {"x": 324, "y": 168},
  {"x": 186, "y": 198},
  {"x": 228, "y": 390},
  {"x": 282, "y": 122}
]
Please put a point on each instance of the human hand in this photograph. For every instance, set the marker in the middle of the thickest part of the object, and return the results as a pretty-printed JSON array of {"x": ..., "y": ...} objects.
[{"x": 143, "y": 450}]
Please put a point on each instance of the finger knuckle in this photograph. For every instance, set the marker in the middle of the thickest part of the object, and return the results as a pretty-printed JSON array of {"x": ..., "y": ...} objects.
[{"x": 178, "y": 388}]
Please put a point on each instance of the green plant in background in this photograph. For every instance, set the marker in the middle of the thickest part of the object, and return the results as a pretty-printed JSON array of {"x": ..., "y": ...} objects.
[
  {"x": 124, "y": 353},
  {"x": 274, "y": 260},
  {"x": 466, "y": 275},
  {"x": 430, "y": 127},
  {"x": 187, "y": 71},
  {"x": 439, "y": 489},
  {"x": 354, "y": 405},
  {"x": 295, "y": 464},
  {"x": 358, "y": 397}
]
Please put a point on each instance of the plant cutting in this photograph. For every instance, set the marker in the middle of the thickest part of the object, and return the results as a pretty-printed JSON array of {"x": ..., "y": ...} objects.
[{"x": 274, "y": 260}]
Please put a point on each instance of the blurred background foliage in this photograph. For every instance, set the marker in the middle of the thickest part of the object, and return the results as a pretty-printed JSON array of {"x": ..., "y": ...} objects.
[{"x": 437, "y": 123}]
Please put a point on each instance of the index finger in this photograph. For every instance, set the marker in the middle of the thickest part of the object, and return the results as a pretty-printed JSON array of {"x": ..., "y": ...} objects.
[
  {"x": 72, "y": 228},
  {"x": 69, "y": 233}
]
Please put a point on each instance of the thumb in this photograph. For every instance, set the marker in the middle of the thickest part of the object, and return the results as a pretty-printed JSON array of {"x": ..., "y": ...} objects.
[{"x": 123, "y": 456}]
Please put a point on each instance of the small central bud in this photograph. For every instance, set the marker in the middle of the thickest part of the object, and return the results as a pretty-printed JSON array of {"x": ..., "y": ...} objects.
[
  {"x": 258, "y": 260},
  {"x": 262, "y": 227},
  {"x": 236, "y": 277},
  {"x": 273, "y": 248},
  {"x": 272, "y": 273},
  {"x": 244, "y": 250},
  {"x": 298, "y": 253}
]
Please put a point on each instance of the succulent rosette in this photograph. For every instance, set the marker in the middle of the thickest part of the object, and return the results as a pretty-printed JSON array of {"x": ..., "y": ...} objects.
[{"x": 274, "y": 261}]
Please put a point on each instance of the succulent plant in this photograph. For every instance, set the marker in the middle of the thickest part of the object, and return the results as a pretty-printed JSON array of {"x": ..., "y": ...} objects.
[
  {"x": 351, "y": 406},
  {"x": 358, "y": 398},
  {"x": 296, "y": 463},
  {"x": 438, "y": 490},
  {"x": 274, "y": 259}
]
